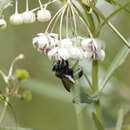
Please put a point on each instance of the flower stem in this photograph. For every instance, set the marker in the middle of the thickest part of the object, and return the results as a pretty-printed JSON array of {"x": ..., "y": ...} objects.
[
  {"x": 75, "y": 91},
  {"x": 4, "y": 109},
  {"x": 95, "y": 88}
]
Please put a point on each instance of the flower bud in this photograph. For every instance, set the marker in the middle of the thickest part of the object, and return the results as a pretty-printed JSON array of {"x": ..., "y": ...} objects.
[
  {"x": 21, "y": 74},
  {"x": 27, "y": 95},
  {"x": 3, "y": 24},
  {"x": 16, "y": 19},
  {"x": 28, "y": 17},
  {"x": 43, "y": 15}
]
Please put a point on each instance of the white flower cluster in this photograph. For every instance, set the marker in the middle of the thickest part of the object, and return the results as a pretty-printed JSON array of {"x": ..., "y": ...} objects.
[
  {"x": 42, "y": 15},
  {"x": 75, "y": 49}
]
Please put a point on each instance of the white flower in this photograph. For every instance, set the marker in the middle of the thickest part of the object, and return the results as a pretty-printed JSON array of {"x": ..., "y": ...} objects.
[
  {"x": 28, "y": 17},
  {"x": 76, "y": 53},
  {"x": 16, "y": 19},
  {"x": 93, "y": 49},
  {"x": 101, "y": 55},
  {"x": 66, "y": 43},
  {"x": 3, "y": 24},
  {"x": 88, "y": 55},
  {"x": 52, "y": 53},
  {"x": 100, "y": 44},
  {"x": 53, "y": 39},
  {"x": 44, "y": 42},
  {"x": 43, "y": 15},
  {"x": 63, "y": 53},
  {"x": 89, "y": 44},
  {"x": 58, "y": 54}
]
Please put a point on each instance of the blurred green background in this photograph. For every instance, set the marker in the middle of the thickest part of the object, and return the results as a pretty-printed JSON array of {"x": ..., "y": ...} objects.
[{"x": 51, "y": 107}]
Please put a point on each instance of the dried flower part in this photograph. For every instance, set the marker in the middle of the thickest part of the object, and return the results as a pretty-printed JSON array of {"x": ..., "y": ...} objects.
[
  {"x": 43, "y": 15},
  {"x": 16, "y": 19},
  {"x": 28, "y": 17},
  {"x": 3, "y": 24}
]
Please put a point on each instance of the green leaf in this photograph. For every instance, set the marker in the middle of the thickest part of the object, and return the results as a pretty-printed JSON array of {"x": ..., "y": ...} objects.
[
  {"x": 118, "y": 60},
  {"x": 112, "y": 27},
  {"x": 47, "y": 89},
  {"x": 97, "y": 122},
  {"x": 15, "y": 128},
  {"x": 115, "y": 12},
  {"x": 116, "y": 4},
  {"x": 120, "y": 120},
  {"x": 112, "y": 2}
]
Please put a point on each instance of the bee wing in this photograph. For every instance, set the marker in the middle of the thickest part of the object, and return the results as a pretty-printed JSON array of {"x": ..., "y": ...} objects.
[
  {"x": 68, "y": 81},
  {"x": 66, "y": 84},
  {"x": 69, "y": 78}
]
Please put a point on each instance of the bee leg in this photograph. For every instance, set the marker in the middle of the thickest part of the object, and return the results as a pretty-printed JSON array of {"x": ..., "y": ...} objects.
[{"x": 67, "y": 63}]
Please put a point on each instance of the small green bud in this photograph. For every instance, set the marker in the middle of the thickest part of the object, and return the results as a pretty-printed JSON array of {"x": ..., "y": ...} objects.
[
  {"x": 27, "y": 95},
  {"x": 1, "y": 97},
  {"x": 21, "y": 74}
]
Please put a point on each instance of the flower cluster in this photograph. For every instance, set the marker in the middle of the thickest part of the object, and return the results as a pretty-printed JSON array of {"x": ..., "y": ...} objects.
[
  {"x": 77, "y": 48},
  {"x": 29, "y": 16}
]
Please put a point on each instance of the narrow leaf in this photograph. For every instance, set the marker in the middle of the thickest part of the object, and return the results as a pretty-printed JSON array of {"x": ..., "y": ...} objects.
[
  {"x": 118, "y": 60},
  {"x": 115, "y": 12},
  {"x": 120, "y": 120},
  {"x": 97, "y": 122},
  {"x": 15, "y": 128},
  {"x": 47, "y": 89},
  {"x": 113, "y": 2}
]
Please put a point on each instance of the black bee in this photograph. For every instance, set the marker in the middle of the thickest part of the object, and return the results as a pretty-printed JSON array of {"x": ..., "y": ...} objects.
[{"x": 66, "y": 74}]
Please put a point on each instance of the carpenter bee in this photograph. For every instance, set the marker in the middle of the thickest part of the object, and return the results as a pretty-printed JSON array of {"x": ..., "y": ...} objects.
[{"x": 66, "y": 74}]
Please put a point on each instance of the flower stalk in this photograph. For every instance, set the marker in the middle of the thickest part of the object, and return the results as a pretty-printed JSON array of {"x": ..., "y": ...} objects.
[
  {"x": 95, "y": 88},
  {"x": 5, "y": 107}
]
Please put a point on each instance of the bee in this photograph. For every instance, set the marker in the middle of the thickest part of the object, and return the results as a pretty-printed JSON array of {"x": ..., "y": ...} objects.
[{"x": 66, "y": 74}]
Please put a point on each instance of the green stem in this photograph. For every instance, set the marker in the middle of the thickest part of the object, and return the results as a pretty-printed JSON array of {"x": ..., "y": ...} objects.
[
  {"x": 89, "y": 16},
  {"x": 75, "y": 91},
  {"x": 5, "y": 108},
  {"x": 95, "y": 88},
  {"x": 80, "y": 117}
]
